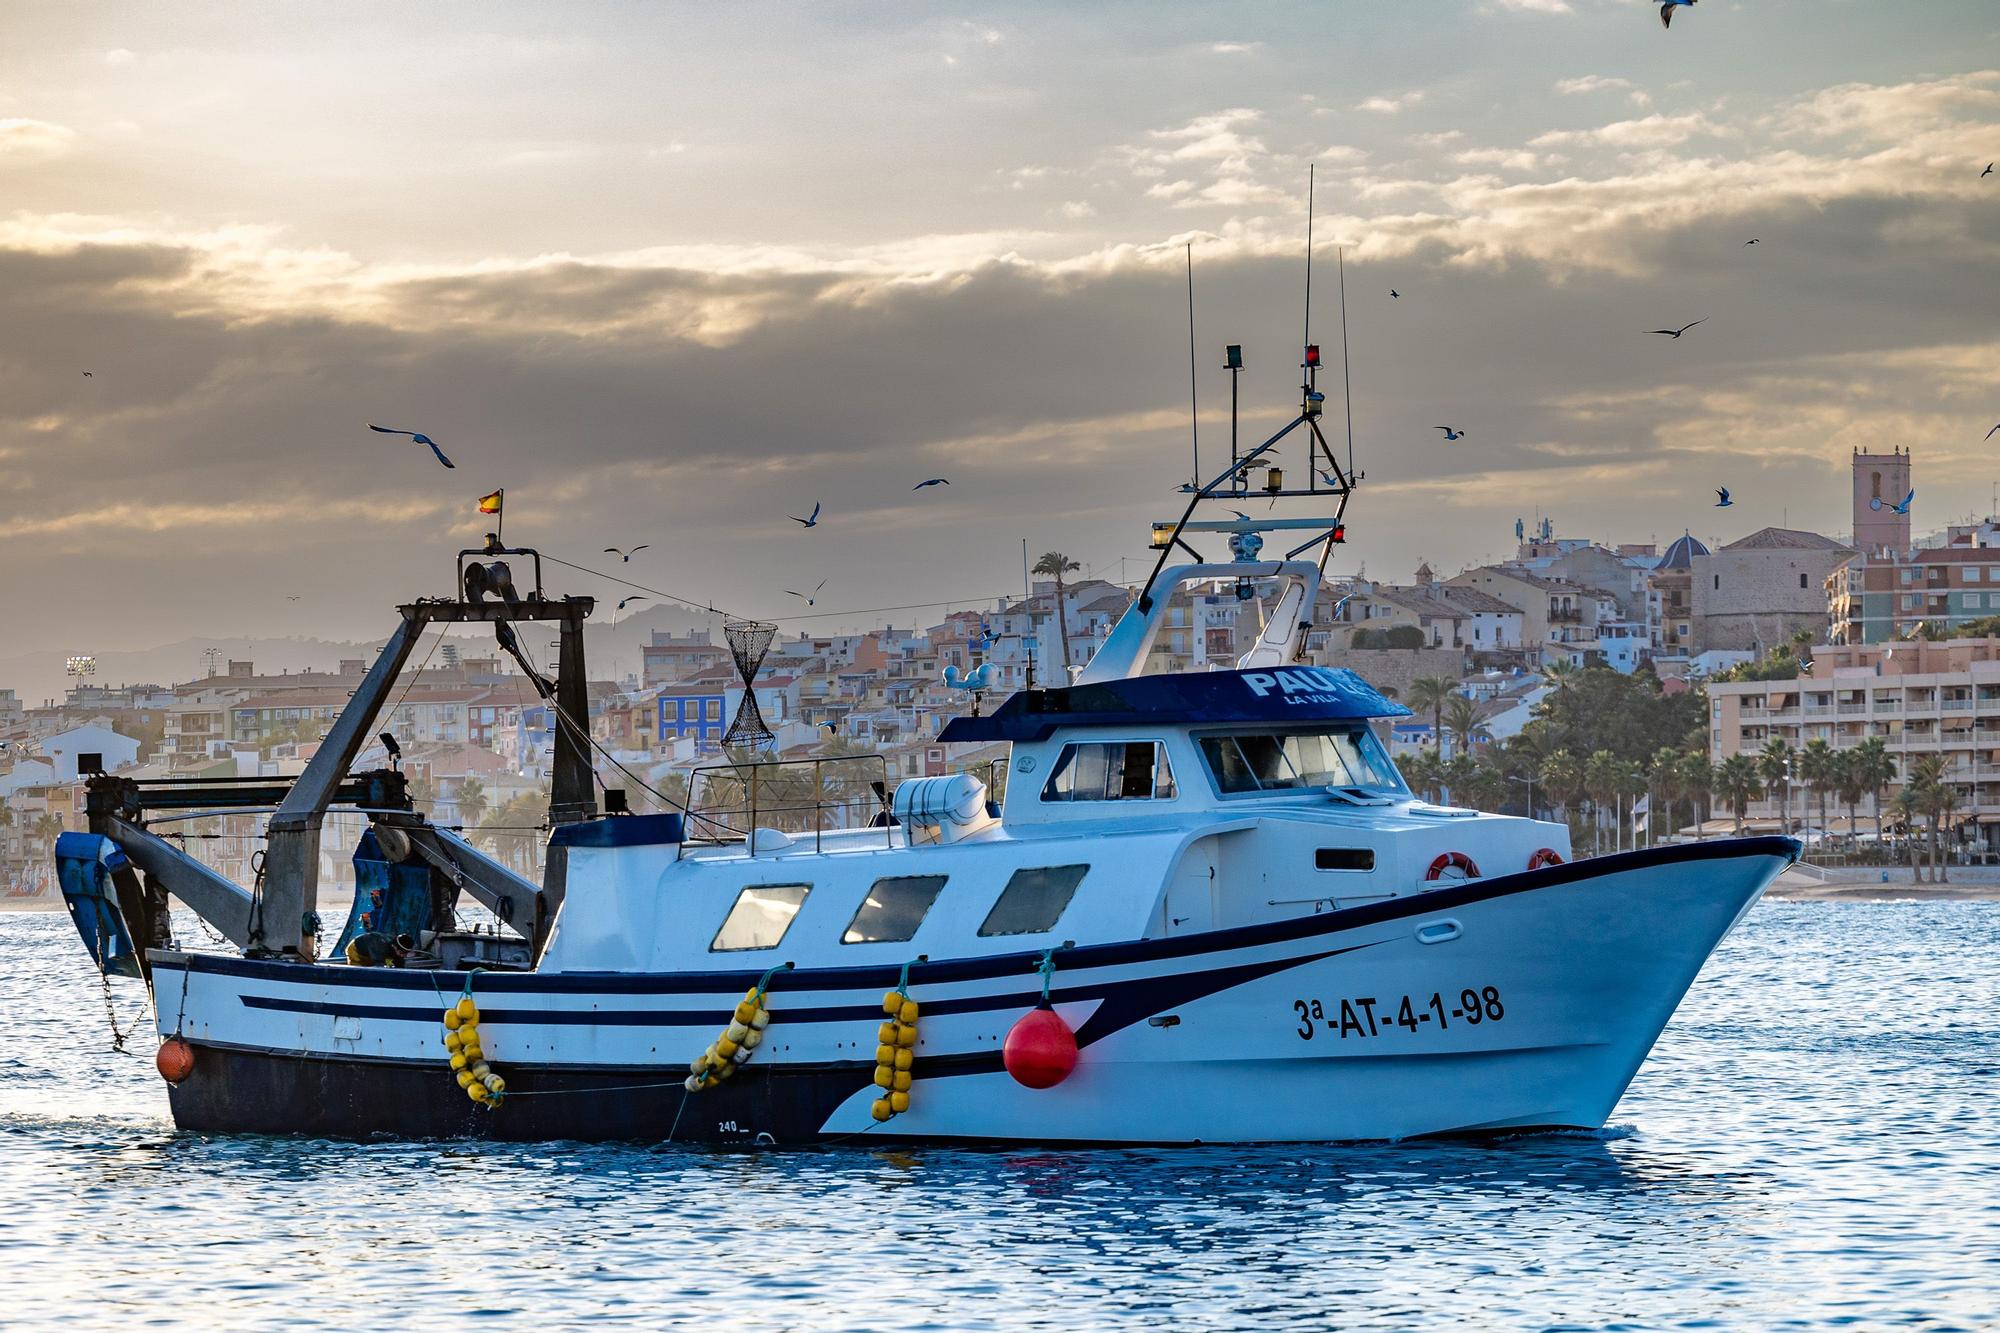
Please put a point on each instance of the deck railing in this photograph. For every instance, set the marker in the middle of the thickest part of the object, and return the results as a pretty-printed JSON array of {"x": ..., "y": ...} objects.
[{"x": 729, "y": 802}]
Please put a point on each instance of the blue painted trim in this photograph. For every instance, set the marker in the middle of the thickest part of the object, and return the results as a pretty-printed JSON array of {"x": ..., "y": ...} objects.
[
  {"x": 621, "y": 831},
  {"x": 1280, "y": 696}
]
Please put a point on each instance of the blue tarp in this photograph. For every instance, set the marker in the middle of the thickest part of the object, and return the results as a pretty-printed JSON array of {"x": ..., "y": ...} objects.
[{"x": 84, "y": 863}]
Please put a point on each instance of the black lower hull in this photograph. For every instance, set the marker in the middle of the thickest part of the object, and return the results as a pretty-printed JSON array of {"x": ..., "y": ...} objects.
[{"x": 253, "y": 1092}]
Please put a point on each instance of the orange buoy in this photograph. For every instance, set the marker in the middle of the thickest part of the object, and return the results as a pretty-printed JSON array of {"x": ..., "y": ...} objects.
[
  {"x": 1040, "y": 1050},
  {"x": 1453, "y": 865},
  {"x": 1547, "y": 856},
  {"x": 175, "y": 1060}
]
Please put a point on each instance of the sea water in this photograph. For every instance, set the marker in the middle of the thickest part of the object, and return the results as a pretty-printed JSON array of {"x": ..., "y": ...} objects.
[{"x": 1815, "y": 1143}]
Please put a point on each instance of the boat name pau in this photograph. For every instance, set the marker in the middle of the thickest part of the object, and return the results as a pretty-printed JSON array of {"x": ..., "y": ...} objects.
[{"x": 1300, "y": 685}]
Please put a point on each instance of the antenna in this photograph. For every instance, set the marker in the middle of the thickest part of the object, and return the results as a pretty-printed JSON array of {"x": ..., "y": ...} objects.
[
  {"x": 1194, "y": 402},
  {"x": 1346, "y": 381},
  {"x": 1311, "y": 169}
]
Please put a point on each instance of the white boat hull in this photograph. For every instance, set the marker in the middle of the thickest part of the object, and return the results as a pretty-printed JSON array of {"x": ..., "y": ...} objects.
[{"x": 1296, "y": 1031}]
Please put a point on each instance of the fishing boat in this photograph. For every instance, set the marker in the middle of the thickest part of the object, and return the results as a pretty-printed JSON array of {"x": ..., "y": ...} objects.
[{"x": 1206, "y": 909}]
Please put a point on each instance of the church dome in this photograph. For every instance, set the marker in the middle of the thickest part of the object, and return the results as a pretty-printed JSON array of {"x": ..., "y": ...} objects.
[{"x": 1682, "y": 553}]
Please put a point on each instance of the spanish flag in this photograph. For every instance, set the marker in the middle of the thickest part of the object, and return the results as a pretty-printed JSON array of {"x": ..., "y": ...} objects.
[{"x": 490, "y": 504}]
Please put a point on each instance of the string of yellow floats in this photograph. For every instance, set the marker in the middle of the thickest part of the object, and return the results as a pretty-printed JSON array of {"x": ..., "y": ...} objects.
[
  {"x": 468, "y": 1053},
  {"x": 896, "y": 1054},
  {"x": 743, "y": 1035}
]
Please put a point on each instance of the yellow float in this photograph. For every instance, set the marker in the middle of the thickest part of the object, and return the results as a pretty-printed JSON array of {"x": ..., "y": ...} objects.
[
  {"x": 895, "y": 1051},
  {"x": 738, "y": 1040},
  {"x": 468, "y": 1055}
]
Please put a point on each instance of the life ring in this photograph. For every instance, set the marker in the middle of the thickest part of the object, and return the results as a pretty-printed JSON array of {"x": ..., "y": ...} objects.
[
  {"x": 1547, "y": 856},
  {"x": 1464, "y": 865}
]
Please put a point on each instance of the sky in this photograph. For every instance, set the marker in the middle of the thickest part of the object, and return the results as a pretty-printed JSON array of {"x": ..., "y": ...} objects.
[{"x": 670, "y": 273}]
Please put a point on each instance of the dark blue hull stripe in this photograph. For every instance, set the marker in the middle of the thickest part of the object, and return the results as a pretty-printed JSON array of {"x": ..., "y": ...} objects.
[
  {"x": 884, "y": 976},
  {"x": 1183, "y": 986}
]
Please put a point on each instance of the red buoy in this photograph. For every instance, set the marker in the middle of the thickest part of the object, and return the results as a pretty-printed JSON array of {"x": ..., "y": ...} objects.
[
  {"x": 1040, "y": 1050},
  {"x": 175, "y": 1060}
]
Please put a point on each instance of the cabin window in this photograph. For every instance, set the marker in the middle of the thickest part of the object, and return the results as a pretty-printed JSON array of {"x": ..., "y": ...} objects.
[
  {"x": 1276, "y": 762},
  {"x": 893, "y": 909},
  {"x": 1344, "y": 858},
  {"x": 1111, "y": 771},
  {"x": 761, "y": 916},
  {"x": 1033, "y": 900}
]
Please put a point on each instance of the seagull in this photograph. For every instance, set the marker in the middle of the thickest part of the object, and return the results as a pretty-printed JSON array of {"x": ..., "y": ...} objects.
[
  {"x": 1450, "y": 432},
  {"x": 420, "y": 438},
  {"x": 1988, "y": 172},
  {"x": 292, "y": 596},
  {"x": 1395, "y": 295},
  {"x": 812, "y": 522},
  {"x": 934, "y": 481},
  {"x": 87, "y": 375},
  {"x": 1989, "y": 434},
  {"x": 625, "y": 555},
  {"x": 1335, "y": 613},
  {"x": 1904, "y": 507},
  {"x": 1667, "y": 11},
  {"x": 1753, "y": 241},
  {"x": 1675, "y": 333},
  {"x": 624, "y": 602},
  {"x": 808, "y": 598},
  {"x": 1722, "y": 500}
]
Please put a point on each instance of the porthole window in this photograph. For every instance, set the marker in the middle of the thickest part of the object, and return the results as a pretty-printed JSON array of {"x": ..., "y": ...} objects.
[
  {"x": 1033, "y": 900},
  {"x": 893, "y": 909},
  {"x": 761, "y": 916}
]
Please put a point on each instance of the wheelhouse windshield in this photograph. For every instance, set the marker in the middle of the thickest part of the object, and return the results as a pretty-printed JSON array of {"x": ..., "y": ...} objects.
[{"x": 1347, "y": 757}]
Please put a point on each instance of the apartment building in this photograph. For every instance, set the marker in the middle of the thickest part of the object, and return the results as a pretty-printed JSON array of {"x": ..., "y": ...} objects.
[{"x": 1921, "y": 698}]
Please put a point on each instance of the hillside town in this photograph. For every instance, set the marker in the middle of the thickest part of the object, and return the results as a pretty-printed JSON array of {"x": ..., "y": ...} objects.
[{"x": 1845, "y": 687}]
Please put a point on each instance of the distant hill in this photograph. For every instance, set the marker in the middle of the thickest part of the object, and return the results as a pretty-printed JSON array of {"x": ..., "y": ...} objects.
[{"x": 613, "y": 653}]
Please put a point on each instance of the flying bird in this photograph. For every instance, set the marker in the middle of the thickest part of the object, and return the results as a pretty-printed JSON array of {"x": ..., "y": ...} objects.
[
  {"x": 1722, "y": 500},
  {"x": 831, "y": 727},
  {"x": 1904, "y": 507},
  {"x": 87, "y": 375},
  {"x": 1989, "y": 434},
  {"x": 420, "y": 438},
  {"x": 1675, "y": 333},
  {"x": 624, "y": 602},
  {"x": 1753, "y": 241},
  {"x": 1450, "y": 432},
  {"x": 625, "y": 555},
  {"x": 1667, "y": 11},
  {"x": 808, "y": 598},
  {"x": 1335, "y": 613},
  {"x": 1395, "y": 295},
  {"x": 934, "y": 481},
  {"x": 812, "y": 522},
  {"x": 1988, "y": 172},
  {"x": 292, "y": 596}
]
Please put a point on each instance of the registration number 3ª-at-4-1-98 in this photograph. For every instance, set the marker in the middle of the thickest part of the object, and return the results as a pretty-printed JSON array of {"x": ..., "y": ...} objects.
[{"x": 1369, "y": 1016}]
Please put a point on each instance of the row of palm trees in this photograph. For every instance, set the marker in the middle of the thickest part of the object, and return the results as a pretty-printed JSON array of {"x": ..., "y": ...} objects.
[{"x": 1865, "y": 770}]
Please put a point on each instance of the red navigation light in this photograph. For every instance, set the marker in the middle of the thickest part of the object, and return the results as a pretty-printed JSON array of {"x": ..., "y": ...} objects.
[
  {"x": 1312, "y": 354},
  {"x": 1340, "y": 532}
]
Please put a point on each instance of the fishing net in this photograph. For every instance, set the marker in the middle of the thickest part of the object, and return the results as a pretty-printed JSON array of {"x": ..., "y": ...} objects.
[{"x": 748, "y": 641}]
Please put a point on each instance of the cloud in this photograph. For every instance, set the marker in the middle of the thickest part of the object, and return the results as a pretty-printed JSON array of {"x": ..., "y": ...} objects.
[
  {"x": 1507, "y": 159},
  {"x": 33, "y": 140},
  {"x": 1075, "y": 210},
  {"x": 1234, "y": 48},
  {"x": 1654, "y": 131},
  {"x": 1389, "y": 106},
  {"x": 119, "y": 57},
  {"x": 1590, "y": 83},
  {"x": 1535, "y": 6}
]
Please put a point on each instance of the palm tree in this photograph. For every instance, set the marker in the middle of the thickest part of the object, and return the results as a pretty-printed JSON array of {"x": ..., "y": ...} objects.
[
  {"x": 1461, "y": 720},
  {"x": 1603, "y": 780},
  {"x": 1907, "y": 803},
  {"x": 1663, "y": 776},
  {"x": 1927, "y": 780},
  {"x": 1562, "y": 779},
  {"x": 1560, "y": 673},
  {"x": 423, "y": 794},
  {"x": 1054, "y": 564},
  {"x": 1874, "y": 769},
  {"x": 1697, "y": 778},
  {"x": 1774, "y": 766},
  {"x": 471, "y": 802},
  {"x": 48, "y": 826},
  {"x": 1817, "y": 761},
  {"x": 1943, "y": 803},
  {"x": 1425, "y": 773},
  {"x": 1739, "y": 781},
  {"x": 1850, "y": 784},
  {"x": 1428, "y": 693}
]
